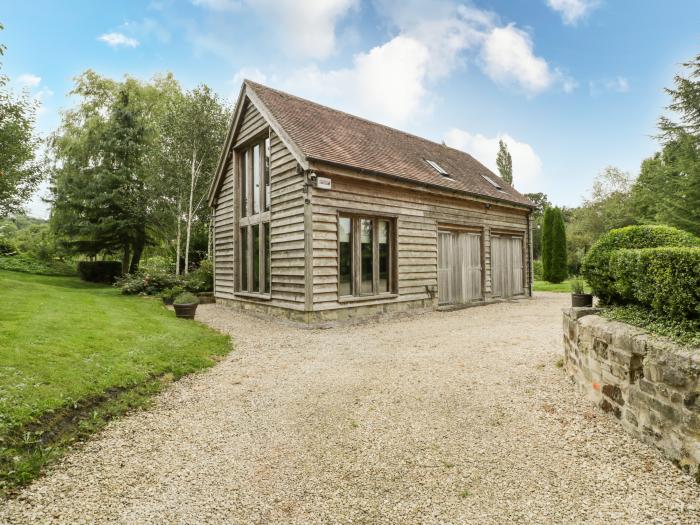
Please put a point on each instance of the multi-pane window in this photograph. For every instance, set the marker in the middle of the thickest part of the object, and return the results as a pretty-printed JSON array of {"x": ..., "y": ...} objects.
[
  {"x": 365, "y": 256},
  {"x": 254, "y": 219}
]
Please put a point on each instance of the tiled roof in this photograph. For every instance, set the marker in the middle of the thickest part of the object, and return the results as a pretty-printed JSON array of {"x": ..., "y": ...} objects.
[{"x": 328, "y": 135}]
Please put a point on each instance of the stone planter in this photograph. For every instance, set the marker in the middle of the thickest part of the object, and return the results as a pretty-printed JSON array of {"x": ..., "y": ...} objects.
[
  {"x": 581, "y": 300},
  {"x": 185, "y": 311}
]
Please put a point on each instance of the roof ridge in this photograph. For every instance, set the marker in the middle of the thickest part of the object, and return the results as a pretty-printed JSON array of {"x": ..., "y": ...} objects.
[{"x": 391, "y": 128}]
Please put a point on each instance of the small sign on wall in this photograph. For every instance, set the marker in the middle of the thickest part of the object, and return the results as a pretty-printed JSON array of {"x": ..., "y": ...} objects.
[{"x": 323, "y": 183}]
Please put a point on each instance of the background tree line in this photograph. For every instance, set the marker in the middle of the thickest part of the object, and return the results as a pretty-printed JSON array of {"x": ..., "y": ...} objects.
[
  {"x": 131, "y": 166},
  {"x": 666, "y": 191}
]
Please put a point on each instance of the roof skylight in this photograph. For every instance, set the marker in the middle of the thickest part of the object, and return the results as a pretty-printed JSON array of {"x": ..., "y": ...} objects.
[
  {"x": 493, "y": 182},
  {"x": 437, "y": 168}
]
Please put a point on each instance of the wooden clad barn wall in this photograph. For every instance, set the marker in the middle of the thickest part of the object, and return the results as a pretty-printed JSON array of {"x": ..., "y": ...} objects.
[
  {"x": 224, "y": 220},
  {"x": 286, "y": 228},
  {"x": 286, "y": 221},
  {"x": 418, "y": 215}
]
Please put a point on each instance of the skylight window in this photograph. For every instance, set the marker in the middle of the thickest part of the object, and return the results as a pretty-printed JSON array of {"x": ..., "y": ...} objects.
[
  {"x": 493, "y": 182},
  {"x": 437, "y": 168}
]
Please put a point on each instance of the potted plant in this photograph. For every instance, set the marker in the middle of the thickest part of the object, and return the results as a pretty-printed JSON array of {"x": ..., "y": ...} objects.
[
  {"x": 169, "y": 294},
  {"x": 579, "y": 297},
  {"x": 186, "y": 305}
]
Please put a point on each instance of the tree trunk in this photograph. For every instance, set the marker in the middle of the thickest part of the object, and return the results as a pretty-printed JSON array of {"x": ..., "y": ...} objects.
[
  {"x": 189, "y": 213},
  {"x": 138, "y": 250},
  {"x": 125, "y": 259},
  {"x": 179, "y": 236}
]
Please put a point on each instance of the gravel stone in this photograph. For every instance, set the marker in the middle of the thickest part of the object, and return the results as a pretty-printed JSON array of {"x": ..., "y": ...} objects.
[{"x": 444, "y": 417}]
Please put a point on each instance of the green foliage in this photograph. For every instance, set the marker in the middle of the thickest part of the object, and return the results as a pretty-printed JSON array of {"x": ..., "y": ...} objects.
[
  {"x": 27, "y": 264},
  {"x": 158, "y": 264},
  {"x": 578, "y": 285},
  {"x": 7, "y": 247},
  {"x": 100, "y": 271},
  {"x": 554, "y": 267},
  {"x": 596, "y": 264},
  {"x": 201, "y": 279},
  {"x": 537, "y": 269},
  {"x": 76, "y": 354},
  {"x": 32, "y": 237},
  {"x": 504, "y": 162},
  {"x": 186, "y": 298},
  {"x": 142, "y": 283},
  {"x": 562, "y": 287},
  {"x": 667, "y": 279},
  {"x": 169, "y": 294},
  {"x": 20, "y": 168},
  {"x": 681, "y": 330},
  {"x": 541, "y": 202}
]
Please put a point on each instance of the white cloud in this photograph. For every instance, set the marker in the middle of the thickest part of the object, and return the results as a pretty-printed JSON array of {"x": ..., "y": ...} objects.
[
  {"x": 386, "y": 84},
  {"x": 572, "y": 11},
  {"x": 618, "y": 84},
  {"x": 509, "y": 59},
  {"x": 527, "y": 166},
  {"x": 28, "y": 80},
  {"x": 118, "y": 39},
  {"x": 307, "y": 28}
]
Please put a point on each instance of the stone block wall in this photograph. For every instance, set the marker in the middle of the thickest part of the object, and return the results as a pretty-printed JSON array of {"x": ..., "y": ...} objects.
[{"x": 651, "y": 385}]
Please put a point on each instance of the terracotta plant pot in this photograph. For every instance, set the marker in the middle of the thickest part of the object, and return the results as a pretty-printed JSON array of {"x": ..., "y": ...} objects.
[
  {"x": 185, "y": 311},
  {"x": 579, "y": 300}
]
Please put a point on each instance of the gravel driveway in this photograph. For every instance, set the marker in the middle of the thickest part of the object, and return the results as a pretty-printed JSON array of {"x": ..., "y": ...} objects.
[{"x": 459, "y": 417}]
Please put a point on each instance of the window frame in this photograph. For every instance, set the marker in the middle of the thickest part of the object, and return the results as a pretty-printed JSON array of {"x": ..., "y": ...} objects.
[
  {"x": 356, "y": 256},
  {"x": 244, "y": 158}
]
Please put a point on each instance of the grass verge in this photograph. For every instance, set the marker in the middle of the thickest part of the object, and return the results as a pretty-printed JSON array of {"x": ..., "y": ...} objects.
[
  {"x": 73, "y": 356},
  {"x": 562, "y": 287}
]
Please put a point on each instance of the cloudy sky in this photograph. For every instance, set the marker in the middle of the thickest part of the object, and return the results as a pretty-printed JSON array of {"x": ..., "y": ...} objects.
[{"x": 570, "y": 85}]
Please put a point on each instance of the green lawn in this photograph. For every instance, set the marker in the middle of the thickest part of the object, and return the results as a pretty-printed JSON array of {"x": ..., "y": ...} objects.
[
  {"x": 67, "y": 349},
  {"x": 563, "y": 287}
]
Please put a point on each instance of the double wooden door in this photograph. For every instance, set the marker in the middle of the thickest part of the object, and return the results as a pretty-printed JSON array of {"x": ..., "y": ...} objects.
[
  {"x": 459, "y": 267},
  {"x": 507, "y": 272}
]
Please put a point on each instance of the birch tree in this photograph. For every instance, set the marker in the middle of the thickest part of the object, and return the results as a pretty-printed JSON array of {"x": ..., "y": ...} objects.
[{"x": 197, "y": 124}]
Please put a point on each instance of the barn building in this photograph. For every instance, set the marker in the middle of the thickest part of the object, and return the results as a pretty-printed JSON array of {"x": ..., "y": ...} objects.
[{"x": 319, "y": 215}]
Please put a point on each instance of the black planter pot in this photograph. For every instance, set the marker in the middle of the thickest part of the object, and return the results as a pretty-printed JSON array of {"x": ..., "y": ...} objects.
[
  {"x": 579, "y": 300},
  {"x": 185, "y": 311},
  {"x": 168, "y": 301}
]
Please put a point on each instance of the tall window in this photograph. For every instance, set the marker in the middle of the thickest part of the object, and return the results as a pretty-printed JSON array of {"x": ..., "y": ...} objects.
[
  {"x": 254, "y": 219},
  {"x": 365, "y": 256}
]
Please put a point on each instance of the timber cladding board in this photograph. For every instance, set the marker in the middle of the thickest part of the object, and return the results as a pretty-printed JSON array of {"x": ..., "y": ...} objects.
[{"x": 418, "y": 216}]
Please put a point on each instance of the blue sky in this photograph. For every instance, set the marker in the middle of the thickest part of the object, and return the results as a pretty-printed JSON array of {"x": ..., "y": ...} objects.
[{"x": 571, "y": 85}]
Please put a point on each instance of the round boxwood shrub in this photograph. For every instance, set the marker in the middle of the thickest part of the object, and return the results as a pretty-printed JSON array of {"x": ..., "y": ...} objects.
[
  {"x": 186, "y": 298},
  {"x": 596, "y": 264}
]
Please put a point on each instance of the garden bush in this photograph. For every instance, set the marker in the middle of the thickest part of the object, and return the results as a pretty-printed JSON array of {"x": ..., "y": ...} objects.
[
  {"x": 144, "y": 283},
  {"x": 596, "y": 264},
  {"x": 27, "y": 264},
  {"x": 186, "y": 298},
  {"x": 100, "y": 271},
  {"x": 667, "y": 280},
  {"x": 7, "y": 247},
  {"x": 537, "y": 269},
  {"x": 201, "y": 279}
]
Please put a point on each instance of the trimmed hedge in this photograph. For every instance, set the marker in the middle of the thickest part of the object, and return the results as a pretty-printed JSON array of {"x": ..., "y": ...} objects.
[
  {"x": 100, "y": 271},
  {"x": 596, "y": 264},
  {"x": 667, "y": 280}
]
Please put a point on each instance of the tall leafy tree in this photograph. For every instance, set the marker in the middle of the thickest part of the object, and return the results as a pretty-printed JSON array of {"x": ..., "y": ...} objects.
[
  {"x": 193, "y": 131},
  {"x": 100, "y": 186},
  {"x": 20, "y": 169},
  {"x": 554, "y": 264},
  {"x": 681, "y": 138},
  {"x": 504, "y": 162}
]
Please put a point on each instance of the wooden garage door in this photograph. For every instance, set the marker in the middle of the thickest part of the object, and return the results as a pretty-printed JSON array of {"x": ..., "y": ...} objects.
[
  {"x": 459, "y": 267},
  {"x": 507, "y": 266}
]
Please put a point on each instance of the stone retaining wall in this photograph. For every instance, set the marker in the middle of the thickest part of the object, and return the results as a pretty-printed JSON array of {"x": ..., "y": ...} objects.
[{"x": 651, "y": 385}]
